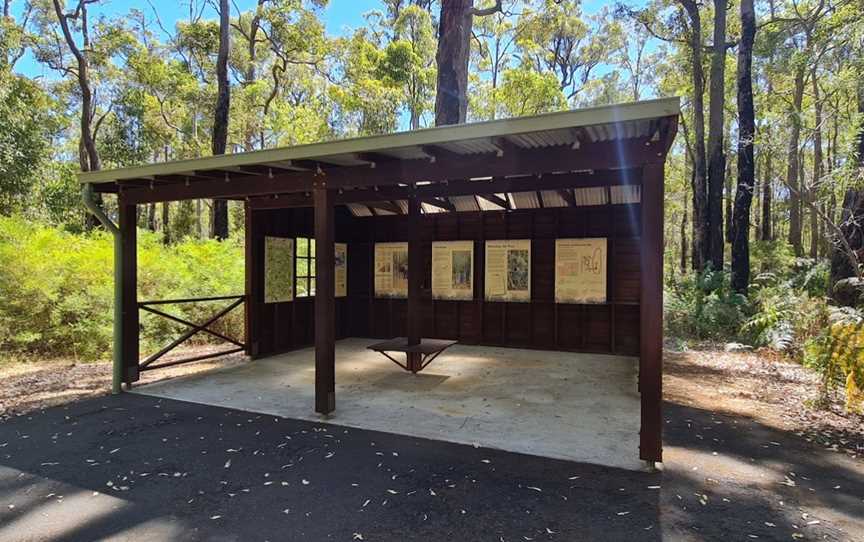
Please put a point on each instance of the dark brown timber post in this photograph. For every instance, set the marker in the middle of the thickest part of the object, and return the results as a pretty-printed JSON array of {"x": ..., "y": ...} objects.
[
  {"x": 129, "y": 295},
  {"x": 415, "y": 280},
  {"x": 651, "y": 315},
  {"x": 325, "y": 300},
  {"x": 249, "y": 328}
]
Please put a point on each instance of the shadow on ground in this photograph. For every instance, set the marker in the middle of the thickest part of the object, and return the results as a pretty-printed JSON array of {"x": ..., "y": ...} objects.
[
  {"x": 731, "y": 474},
  {"x": 140, "y": 467}
]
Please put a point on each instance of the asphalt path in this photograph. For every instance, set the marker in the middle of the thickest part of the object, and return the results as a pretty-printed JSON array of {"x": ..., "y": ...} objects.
[{"x": 133, "y": 467}]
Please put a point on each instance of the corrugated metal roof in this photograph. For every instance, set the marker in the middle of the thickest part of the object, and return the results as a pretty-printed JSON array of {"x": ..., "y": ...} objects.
[
  {"x": 553, "y": 198},
  {"x": 637, "y": 119},
  {"x": 626, "y": 194},
  {"x": 464, "y": 203},
  {"x": 593, "y": 195},
  {"x": 359, "y": 210},
  {"x": 524, "y": 200}
]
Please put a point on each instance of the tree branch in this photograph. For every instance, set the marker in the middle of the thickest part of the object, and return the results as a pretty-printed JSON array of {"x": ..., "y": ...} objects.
[{"x": 478, "y": 12}]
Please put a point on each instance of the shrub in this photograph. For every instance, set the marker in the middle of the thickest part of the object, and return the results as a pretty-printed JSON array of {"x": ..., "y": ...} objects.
[
  {"x": 838, "y": 354},
  {"x": 770, "y": 255},
  {"x": 704, "y": 307},
  {"x": 784, "y": 317},
  {"x": 56, "y": 288}
]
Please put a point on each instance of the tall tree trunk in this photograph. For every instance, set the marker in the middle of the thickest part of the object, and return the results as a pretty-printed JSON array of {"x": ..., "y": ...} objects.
[
  {"x": 701, "y": 244},
  {"x": 454, "y": 47},
  {"x": 88, "y": 154},
  {"x": 728, "y": 197},
  {"x": 684, "y": 247},
  {"x": 767, "y": 199},
  {"x": 755, "y": 208},
  {"x": 817, "y": 165},
  {"x": 151, "y": 217},
  {"x": 199, "y": 228},
  {"x": 166, "y": 223},
  {"x": 792, "y": 179},
  {"x": 716, "y": 157},
  {"x": 454, "y": 35},
  {"x": 220, "y": 117},
  {"x": 852, "y": 218},
  {"x": 746, "y": 165}
]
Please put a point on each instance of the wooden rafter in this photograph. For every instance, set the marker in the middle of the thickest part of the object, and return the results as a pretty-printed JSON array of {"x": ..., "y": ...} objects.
[
  {"x": 568, "y": 196},
  {"x": 496, "y": 200},
  {"x": 440, "y": 203},
  {"x": 387, "y": 206},
  {"x": 487, "y": 190},
  {"x": 532, "y": 161}
]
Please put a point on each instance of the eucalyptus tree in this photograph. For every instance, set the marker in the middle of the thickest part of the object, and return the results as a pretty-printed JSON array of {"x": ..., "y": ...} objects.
[
  {"x": 76, "y": 46},
  {"x": 279, "y": 40},
  {"x": 496, "y": 36},
  {"x": 83, "y": 51},
  {"x": 366, "y": 100},
  {"x": 716, "y": 165},
  {"x": 455, "y": 26},
  {"x": 679, "y": 22},
  {"x": 746, "y": 165},
  {"x": 555, "y": 37},
  {"x": 28, "y": 123},
  {"x": 221, "y": 113},
  {"x": 409, "y": 61}
]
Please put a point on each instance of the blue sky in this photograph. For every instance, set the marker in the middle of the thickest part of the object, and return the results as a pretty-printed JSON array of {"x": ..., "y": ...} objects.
[{"x": 338, "y": 16}]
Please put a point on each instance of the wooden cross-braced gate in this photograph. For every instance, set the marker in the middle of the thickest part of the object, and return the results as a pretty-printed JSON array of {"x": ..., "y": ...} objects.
[{"x": 150, "y": 364}]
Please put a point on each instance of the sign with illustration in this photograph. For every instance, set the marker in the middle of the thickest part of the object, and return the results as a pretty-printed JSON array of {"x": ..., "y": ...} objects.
[
  {"x": 341, "y": 258},
  {"x": 391, "y": 270},
  {"x": 278, "y": 269},
  {"x": 508, "y": 270},
  {"x": 453, "y": 270},
  {"x": 580, "y": 270}
]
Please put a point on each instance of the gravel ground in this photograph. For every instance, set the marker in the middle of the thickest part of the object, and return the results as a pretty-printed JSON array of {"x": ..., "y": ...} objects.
[{"x": 774, "y": 391}]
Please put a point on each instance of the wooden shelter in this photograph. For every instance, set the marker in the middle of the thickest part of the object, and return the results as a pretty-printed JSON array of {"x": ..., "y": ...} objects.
[{"x": 585, "y": 174}]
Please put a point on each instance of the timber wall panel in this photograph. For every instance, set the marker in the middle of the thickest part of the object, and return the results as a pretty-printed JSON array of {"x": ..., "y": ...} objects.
[
  {"x": 606, "y": 328},
  {"x": 281, "y": 327}
]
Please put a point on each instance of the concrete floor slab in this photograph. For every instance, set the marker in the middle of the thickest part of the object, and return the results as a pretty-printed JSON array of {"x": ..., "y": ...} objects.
[{"x": 580, "y": 407}]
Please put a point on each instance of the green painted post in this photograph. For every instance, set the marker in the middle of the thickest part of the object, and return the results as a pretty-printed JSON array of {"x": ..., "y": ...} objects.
[{"x": 90, "y": 203}]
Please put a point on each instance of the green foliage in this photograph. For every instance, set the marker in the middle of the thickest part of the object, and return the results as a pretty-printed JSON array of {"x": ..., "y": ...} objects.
[
  {"x": 27, "y": 126},
  {"x": 838, "y": 354},
  {"x": 521, "y": 92},
  {"x": 784, "y": 318},
  {"x": 704, "y": 307},
  {"x": 56, "y": 288},
  {"x": 766, "y": 256}
]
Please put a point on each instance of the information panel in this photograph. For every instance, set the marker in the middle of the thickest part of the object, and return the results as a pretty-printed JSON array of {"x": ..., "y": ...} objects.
[
  {"x": 278, "y": 269},
  {"x": 453, "y": 270},
  {"x": 341, "y": 258},
  {"x": 391, "y": 270},
  {"x": 580, "y": 270},
  {"x": 508, "y": 270}
]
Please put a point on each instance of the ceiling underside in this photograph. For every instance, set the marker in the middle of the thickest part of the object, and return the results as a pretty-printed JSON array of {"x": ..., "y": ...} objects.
[{"x": 539, "y": 199}]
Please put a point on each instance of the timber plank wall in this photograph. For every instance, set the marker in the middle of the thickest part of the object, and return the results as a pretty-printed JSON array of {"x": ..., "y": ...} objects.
[{"x": 612, "y": 327}]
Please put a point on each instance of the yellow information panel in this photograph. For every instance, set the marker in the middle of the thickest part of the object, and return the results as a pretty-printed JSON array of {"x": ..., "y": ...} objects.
[
  {"x": 341, "y": 258},
  {"x": 391, "y": 269},
  {"x": 278, "y": 269},
  {"x": 508, "y": 270},
  {"x": 580, "y": 270},
  {"x": 453, "y": 270}
]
